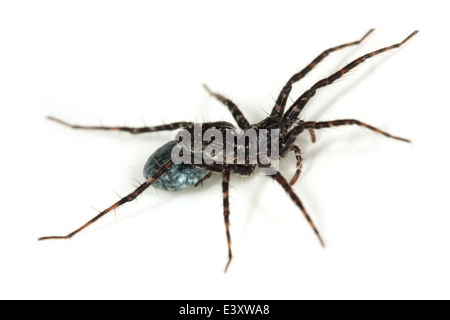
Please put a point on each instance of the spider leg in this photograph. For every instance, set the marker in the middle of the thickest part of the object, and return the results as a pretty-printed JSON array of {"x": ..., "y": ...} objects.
[
  {"x": 299, "y": 104},
  {"x": 298, "y": 155},
  {"x": 344, "y": 122},
  {"x": 130, "y": 197},
  {"x": 280, "y": 103},
  {"x": 234, "y": 109},
  {"x": 226, "y": 211},
  {"x": 200, "y": 182},
  {"x": 163, "y": 127},
  {"x": 285, "y": 185}
]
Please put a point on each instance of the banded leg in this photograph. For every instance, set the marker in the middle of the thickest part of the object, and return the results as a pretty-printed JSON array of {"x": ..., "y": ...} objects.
[
  {"x": 163, "y": 127},
  {"x": 234, "y": 109},
  {"x": 298, "y": 155},
  {"x": 299, "y": 104},
  {"x": 280, "y": 103},
  {"x": 130, "y": 197},
  {"x": 283, "y": 182},
  {"x": 226, "y": 211},
  {"x": 346, "y": 122}
]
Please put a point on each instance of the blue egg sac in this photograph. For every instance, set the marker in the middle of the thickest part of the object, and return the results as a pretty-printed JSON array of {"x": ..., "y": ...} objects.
[{"x": 179, "y": 177}]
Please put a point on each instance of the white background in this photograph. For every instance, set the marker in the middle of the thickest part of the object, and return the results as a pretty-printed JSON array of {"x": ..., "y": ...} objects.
[{"x": 381, "y": 205}]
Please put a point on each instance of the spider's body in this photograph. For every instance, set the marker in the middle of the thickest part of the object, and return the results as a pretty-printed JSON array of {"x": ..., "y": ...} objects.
[{"x": 205, "y": 153}]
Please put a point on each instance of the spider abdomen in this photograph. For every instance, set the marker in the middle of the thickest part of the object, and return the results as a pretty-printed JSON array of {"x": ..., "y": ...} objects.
[{"x": 179, "y": 177}]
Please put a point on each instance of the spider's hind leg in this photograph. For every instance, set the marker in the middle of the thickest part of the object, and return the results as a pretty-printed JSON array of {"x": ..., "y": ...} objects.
[
  {"x": 130, "y": 197},
  {"x": 163, "y": 127}
]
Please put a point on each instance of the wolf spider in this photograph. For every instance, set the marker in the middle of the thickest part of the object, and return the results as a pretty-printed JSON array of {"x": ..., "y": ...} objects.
[{"x": 162, "y": 172}]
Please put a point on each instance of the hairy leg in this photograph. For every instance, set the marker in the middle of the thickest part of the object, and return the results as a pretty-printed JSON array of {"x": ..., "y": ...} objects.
[
  {"x": 299, "y": 104},
  {"x": 345, "y": 122},
  {"x": 226, "y": 211},
  {"x": 298, "y": 155},
  {"x": 237, "y": 114},
  {"x": 130, "y": 197},
  {"x": 280, "y": 103},
  {"x": 163, "y": 127},
  {"x": 286, "y": 186}
]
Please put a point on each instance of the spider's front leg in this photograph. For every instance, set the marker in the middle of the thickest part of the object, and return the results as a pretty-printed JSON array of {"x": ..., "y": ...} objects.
[
  {"x": 280, "y": 103},
  {"x": 130, "y": 197},
  {"x": 295, "y": 109},
  {"x": 163, "y": 127}
]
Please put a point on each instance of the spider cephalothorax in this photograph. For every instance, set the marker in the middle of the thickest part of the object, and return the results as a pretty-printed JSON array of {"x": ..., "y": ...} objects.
[{"x": 219, "y": 147}]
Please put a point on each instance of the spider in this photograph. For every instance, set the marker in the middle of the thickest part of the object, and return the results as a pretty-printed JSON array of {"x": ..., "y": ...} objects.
[{"x": 164, "y": 173}]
